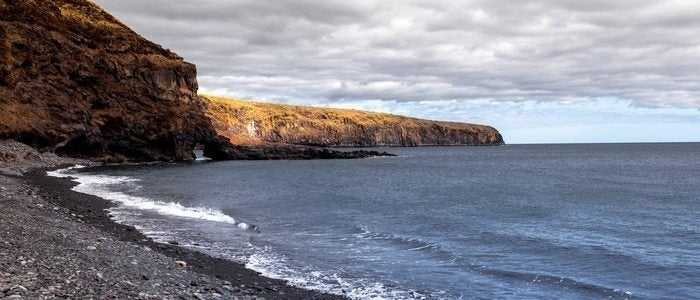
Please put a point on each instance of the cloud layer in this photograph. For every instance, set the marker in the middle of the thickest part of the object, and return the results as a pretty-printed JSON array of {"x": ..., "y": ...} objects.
[{"x": 644, "y": 53}]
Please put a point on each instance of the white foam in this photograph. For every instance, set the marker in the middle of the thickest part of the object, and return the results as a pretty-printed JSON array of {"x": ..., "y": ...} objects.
[
  {"x": 262, "y": 260},
  {"x": 98, "y": 185},
  {"x": 63, "y": 173},
  {"x": 274, "y": 266}
]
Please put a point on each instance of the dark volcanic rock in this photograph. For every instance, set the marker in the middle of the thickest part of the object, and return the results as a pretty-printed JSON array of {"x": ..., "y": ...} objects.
[
  {"x": 222, "y": 150},
  {"x": 74, "y": 80}
]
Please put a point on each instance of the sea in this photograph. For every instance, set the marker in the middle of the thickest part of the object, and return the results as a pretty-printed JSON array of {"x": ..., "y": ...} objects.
[{"x": 567, "y": 221}]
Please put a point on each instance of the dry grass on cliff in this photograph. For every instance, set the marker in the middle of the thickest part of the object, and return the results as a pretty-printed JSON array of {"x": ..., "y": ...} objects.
[
  {"x": 233, "y": 117},
  {"x": 90, "y": 15},
  {"x": 17, "y": 116},
  {"x": 261, "y": 110}
]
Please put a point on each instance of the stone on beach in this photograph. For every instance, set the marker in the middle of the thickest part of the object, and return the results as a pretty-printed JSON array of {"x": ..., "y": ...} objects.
[{"x": 47, "y": 254}]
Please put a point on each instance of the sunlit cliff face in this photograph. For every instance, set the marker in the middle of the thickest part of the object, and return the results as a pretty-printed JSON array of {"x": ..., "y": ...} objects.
[
  {"x": 251, "y": 123},
  {"x": 76, "y": 81}
]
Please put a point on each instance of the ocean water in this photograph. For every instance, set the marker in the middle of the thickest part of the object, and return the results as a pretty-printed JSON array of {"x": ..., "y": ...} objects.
[{"x": 590, "y": 221}]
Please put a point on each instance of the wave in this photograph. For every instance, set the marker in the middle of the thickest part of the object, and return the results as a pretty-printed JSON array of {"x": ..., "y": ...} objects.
[
  {"x": 104, "y": 186},
  {"x": 269, "y": 264},
  {"x": 553, "y": 280},
  {"x": 262, "y": 260},
  {"x": 406, "y": 243}
]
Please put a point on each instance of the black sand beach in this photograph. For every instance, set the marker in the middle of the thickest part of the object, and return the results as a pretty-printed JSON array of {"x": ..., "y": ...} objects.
[{"x": 56, "y": 243}]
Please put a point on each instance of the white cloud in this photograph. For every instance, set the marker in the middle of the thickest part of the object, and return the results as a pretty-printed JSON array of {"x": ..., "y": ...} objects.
[{"x": 543, "y": 51}]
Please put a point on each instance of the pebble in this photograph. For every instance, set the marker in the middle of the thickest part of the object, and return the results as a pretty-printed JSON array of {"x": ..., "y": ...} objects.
[
  {"x": 43, "y": 256},
  {"x": 36, "y": 242}
]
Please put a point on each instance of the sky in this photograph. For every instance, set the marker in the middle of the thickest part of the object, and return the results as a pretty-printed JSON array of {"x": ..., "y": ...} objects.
[{"x": 540, "y": 71}]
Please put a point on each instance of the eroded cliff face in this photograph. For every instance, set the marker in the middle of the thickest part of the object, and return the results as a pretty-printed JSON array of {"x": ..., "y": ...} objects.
[
  {"x": 74, "y": 80},
  {"x": 251, "y": 123}
]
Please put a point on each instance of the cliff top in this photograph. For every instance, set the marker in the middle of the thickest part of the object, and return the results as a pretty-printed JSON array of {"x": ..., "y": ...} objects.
[
  {"x": 82, "y": 21},
  {"x": 328, "y": 115}
]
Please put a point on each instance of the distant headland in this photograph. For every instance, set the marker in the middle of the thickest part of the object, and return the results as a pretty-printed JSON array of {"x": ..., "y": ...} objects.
[{"x": 254, "y": 123}]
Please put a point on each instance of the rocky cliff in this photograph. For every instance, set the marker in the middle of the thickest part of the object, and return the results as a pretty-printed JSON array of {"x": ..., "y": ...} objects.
[
  {"x": 252, "y": 123},
  {"x": 75, "y": 80}
]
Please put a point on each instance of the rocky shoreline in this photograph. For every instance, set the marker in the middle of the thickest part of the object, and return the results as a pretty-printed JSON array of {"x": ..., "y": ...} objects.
[
  {"x": 221, "y": 151},
  {"x": 56, "y": 243}
]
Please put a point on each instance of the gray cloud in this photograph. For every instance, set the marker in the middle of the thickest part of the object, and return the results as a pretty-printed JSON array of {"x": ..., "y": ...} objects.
[{"x": 647, "y": 52}]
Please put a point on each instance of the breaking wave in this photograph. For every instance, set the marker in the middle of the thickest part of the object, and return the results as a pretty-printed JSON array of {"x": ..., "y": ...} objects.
[{"x": 105, "y": 186}]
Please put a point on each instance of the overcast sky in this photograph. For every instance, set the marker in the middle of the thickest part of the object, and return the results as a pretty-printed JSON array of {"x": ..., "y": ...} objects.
[{"x": 539, "y": 71}]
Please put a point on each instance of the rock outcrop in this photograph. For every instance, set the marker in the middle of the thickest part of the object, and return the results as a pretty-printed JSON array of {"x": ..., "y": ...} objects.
[
  {"x": 75, "y": 80},
  {"x": 281, "y": 151},
  {"x": 253, "y": 123}
]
